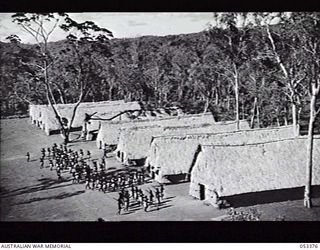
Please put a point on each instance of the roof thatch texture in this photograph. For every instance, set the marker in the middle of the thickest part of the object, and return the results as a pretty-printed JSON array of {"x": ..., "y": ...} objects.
[
  {"x": 135, "y": 142},
  {"x": 34, "y": 110},
  {"x": 109, "y": 132},
  {"x": 237, "y": 169},
  {"x": 134, "y": 115},
  {"x": 47, "y": 118},
  {"x": 174, "y": 154}
]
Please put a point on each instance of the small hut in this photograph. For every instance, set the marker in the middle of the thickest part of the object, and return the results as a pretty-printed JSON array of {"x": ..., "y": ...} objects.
[
  {"x": 220, "y": 171},
  {"x": 170, "y": 157}
]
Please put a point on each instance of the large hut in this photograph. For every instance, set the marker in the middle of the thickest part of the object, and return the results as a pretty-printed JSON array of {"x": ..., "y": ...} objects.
[
  {"x": 222, "y": 171},
  {"x": 125, "y": 119},
  {"x": 134, "y": 143},
  {"x": 109, "y": 132},
  {"x": 170, "y": 157},
  {"x": 46, "y": 120}
]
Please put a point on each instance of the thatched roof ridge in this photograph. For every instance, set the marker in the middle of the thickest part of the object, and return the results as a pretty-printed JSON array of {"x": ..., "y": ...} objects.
[
  {"x": 207, "y": 134},
  {"x": 109, "y": 132},
  {"x": 130, "y": 136},
  {"x": 238, "y": 169},
  {"x": 180, "y": 117}
]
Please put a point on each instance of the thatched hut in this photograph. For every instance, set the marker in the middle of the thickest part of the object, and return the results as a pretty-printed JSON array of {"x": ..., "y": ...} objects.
[
  {"x": 221, "y": 171},
  {"x": 46, "y": 118},
  {"x": 109, "y": 132},
  {"x": 170, "y": 157},
  {"x": 134, "y": 143}
]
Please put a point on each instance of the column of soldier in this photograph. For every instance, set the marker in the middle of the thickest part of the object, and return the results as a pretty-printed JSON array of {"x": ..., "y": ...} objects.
[
  {"x": 143, "y": 199},
  {"x": 86, "y": 169}
]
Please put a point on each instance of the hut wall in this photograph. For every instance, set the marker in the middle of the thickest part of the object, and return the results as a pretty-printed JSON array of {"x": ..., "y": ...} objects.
[
  {"x": 172, "y": 155},
  {"x": 134, "y": 142},
  {"x": 231, "y": 170}
]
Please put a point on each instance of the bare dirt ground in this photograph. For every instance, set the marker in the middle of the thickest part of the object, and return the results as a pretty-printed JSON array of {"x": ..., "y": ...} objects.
[{"x": 28, "y": 193}]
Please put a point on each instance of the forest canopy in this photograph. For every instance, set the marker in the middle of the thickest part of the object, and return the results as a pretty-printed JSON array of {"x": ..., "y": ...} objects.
[{"x": 192, "y": 71}]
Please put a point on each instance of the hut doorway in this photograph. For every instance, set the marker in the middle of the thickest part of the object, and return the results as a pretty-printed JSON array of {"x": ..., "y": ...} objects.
[{"x": 202, "y": 192}]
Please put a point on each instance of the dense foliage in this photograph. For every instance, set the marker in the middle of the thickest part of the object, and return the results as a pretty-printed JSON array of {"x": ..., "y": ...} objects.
[{"x": 211, "y": 70}]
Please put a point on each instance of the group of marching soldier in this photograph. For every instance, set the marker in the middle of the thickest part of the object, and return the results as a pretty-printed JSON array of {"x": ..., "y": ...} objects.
[
  {"x": 94, "y": 174},
  {"x": 151, "y": 197},
  {"x": 61, "y": 158}
]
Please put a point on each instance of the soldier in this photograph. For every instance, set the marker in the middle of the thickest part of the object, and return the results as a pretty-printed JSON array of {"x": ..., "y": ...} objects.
[
  {"x": 43, "y": 151},
  {"x": 145, "y": 203},
  {"x": 132, "y": 191},
  {"x": 59, "y": 173},
  {"x": 81, "y": 153},
  {"x": 28, "y": 156},
  {"x": 73, "y": 172},
  {"x": 140, "y": 197},
  {"x": 54, "y": 152},
  {"x": 136, "y": 191},
  {"x": 162, "y": 191},
  {"x": 127, "y": 199},
  {"x": 87, "y": 182},
  {"x": 88, "y": 154},
  {"x": 119, "y": 205},
  {"x": 158, "y": 195},
  {"x": 74, "y": 178},
  {"x": 151, "y": 196},
  {"x": 49, "y": 152},
  {"x": 41, "y": 162},
  {"x": 51, "y": 164}
]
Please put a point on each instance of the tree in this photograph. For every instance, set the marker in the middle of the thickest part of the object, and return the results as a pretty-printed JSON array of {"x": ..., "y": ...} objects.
[
  {"x": 294, "y": 44},
  {"x": 234, "y": 49},
  {"x": 40, "y": 26},
  {"x": 307, "y": 27},
  {"x": 283, "y": 48}
]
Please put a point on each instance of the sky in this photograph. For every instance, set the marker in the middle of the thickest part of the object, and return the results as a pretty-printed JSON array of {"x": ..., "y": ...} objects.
[{"x": 123, "y": 24}]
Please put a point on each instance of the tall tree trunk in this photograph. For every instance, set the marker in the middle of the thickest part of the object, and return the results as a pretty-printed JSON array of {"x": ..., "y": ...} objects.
[
  {"x": 61, "y": 96},
  {"x": 258, "y": 116},
  {"x": 110, "y": 92},
  {"x": 236, "y": 91},
  {"x": 206, "y": 105},
  {"x": 307, "y": 192},
  {"x": 294, "y": 118},
  {"x": 216, "y": 97},
  {"x": 228, "y": 103},
  {"x": 253, "y": 112},
  {"x": 278, "y": 121},
  {"x": 242, "y": 111}
]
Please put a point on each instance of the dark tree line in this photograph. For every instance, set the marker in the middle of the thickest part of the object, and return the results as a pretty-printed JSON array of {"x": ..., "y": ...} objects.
[{"x": 236, "y": 72}]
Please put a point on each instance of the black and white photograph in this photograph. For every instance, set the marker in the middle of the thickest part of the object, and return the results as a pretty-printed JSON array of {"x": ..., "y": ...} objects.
[{"x": 160, "y": 116}]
